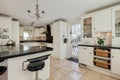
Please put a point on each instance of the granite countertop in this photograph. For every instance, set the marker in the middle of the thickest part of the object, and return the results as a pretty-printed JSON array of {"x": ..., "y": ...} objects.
[
  {"x": 20, "y": 50},
  {"x": 112, "y": 47},
  {"x": 24, "y": 41}
]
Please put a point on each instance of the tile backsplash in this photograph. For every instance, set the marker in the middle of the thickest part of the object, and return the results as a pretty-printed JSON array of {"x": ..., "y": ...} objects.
[{"x": 106, "y": 36}]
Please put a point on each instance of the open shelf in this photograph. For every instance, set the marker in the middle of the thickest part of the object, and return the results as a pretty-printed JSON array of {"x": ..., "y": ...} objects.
[
  {"x": 102, "y": 63},
  {"x": 102, "y": 58}
]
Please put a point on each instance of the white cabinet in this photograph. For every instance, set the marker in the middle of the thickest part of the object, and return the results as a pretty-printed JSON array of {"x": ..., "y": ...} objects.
[
  {"x": 15, "y": 31},
  {"x": 87, "y": 26},
  {"x": 36, "y": 32},
  {"x": 102, "y": 20},
  {"x": 115, "y": 61},
  {"x": 21, "y": 30},
  {"x": 87, "y": 29},
  {"x": 15, "y": 71},
  {"x": 85, "y": 55},
  {"x": 59, "y": 36},
  {"x": 116, "y": 22}
]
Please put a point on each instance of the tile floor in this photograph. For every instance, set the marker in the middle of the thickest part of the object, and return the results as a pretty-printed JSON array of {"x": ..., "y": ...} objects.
[{"x": 67, "y": 70}]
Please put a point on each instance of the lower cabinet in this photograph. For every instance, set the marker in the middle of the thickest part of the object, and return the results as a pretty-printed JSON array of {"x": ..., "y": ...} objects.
[
  {"x": 115, "y": 61},
  {"x": 15, "y": 71},
  {"x": 86, "y": 55}
]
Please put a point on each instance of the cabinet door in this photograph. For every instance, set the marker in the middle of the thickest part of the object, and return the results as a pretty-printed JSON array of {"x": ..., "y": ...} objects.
[
  {"x": 87, "y": 26},
  {"x": 86, "y": 55},
  {"x": 36, "y": 32},
  {"x": 15, "y": 31},
  {"x": 115, "y": 61},
  {"x": 116, "y": 22},
  {"x": 102, "y": 20},
  {"x": 56, "y": 39}
]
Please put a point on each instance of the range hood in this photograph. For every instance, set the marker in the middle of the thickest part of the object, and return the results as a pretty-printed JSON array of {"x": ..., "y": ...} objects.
[{"x": 46, "y": 32}]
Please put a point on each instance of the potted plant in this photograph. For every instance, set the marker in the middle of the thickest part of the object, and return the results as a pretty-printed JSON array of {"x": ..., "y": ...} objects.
[{"x": 100, "y": 41}]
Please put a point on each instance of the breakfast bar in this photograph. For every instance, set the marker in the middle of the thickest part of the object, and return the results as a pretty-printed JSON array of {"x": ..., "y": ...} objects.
[{"x": 25, "y": 63}]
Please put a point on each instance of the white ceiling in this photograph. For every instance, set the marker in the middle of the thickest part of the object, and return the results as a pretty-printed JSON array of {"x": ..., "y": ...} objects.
[{"x": 69, "y": 10}]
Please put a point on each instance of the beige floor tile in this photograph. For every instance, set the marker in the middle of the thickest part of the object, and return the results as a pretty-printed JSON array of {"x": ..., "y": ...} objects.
[
  {"x": 86, "y": 78},
  {"x": 66, "y": 78},
  {"x": 65, "y": 70},
  {"x": 105, "y": 77},
  {"x": 52, "y": 70},
  {"x": 81, "y": 70},
  {"x": 63, "y": 63},
  {"x": 57, "y": 75},
  {"x": 93, "y": 74},
  {"x": 75, "y": 75},
  {"x": 57, "y": 66}
]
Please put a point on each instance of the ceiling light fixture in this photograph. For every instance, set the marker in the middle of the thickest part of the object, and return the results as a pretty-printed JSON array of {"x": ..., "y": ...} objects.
[{"x": 37, "y": 15}]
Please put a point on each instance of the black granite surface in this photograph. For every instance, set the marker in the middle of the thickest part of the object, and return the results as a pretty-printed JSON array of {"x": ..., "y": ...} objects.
[
  {"x": 24, "y": 41},
  {"x": 21, "y": 50},
  {"x": 112, "y": 47}
]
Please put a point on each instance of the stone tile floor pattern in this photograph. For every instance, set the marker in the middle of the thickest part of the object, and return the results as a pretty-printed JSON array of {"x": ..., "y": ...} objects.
[{"x": 67, "y": 70}]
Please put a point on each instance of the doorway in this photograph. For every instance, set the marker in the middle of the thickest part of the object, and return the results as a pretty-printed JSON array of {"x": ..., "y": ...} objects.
[{"x": 75, "y": 40}]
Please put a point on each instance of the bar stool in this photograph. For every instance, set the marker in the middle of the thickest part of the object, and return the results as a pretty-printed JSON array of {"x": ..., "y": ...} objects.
[
  {"x": 2, "y": 68},
  {"x": 35, "y": 65}
]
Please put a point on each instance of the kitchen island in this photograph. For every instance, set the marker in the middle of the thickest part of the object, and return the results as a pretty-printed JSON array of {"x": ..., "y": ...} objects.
[{"x": 15, "y": 56}]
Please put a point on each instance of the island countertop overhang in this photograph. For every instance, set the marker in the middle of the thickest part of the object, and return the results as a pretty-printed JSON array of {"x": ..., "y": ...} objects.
[{"x": 7, "y": 52}]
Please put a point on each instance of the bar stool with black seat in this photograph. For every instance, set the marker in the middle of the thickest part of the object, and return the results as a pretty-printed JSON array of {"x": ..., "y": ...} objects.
[
  {"x": 35, "y": 65},
  {"x": 2, "y": 68}
]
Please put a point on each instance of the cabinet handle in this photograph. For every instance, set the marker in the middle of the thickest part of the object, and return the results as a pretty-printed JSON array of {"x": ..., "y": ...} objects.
[
  {"x": 90, "y": 53},
  {"x": 112, "y": 56}
]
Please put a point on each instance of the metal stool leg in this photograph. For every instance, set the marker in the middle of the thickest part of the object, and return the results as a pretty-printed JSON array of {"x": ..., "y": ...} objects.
[{"x": 37, "y": 75}]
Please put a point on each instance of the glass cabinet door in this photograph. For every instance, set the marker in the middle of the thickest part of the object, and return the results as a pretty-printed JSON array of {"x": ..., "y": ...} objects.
[
  {"x": 117, "y": 23},
  {"x": 87, "y": 27}
]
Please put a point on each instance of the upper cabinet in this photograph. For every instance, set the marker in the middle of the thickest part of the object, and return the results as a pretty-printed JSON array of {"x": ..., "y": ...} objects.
[
  {"x": 116, "y": 22},
  {"x": 87, "y": 26},
  {"x": 15, "y": 31},
  {"x": 102, "y": 20}
]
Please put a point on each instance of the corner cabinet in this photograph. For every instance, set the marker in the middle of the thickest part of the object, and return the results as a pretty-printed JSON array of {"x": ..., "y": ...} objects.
[
  {"x": 87, "y": 28},
  {"x": 116, "y": 22}
]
